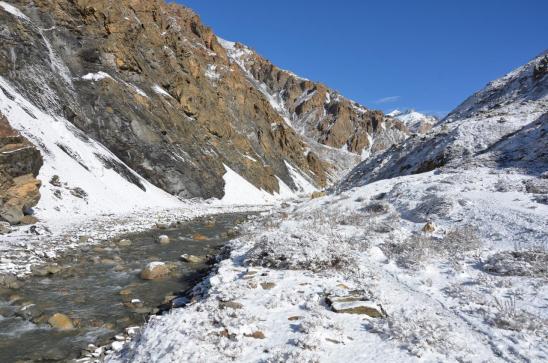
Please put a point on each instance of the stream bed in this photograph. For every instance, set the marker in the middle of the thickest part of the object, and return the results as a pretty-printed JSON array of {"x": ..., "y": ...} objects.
[{"x": 100, "y": 290}]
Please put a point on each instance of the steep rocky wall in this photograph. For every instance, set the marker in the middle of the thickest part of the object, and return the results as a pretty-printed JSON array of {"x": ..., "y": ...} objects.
[
  {"x": 152, "y": 84},
  {"x": 20, "y": 163},
  {"x": 316, "y": 111}
]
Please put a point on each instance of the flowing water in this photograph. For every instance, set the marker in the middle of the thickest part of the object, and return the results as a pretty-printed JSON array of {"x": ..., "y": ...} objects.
[{"x": 98, "y": 289}]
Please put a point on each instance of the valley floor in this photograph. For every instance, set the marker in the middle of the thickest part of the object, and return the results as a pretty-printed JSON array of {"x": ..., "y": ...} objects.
[{"x": 470, "y": 286}]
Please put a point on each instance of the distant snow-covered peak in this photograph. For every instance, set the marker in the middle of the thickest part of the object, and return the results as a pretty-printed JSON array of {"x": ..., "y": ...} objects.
[{"x": 415, "y": 121}]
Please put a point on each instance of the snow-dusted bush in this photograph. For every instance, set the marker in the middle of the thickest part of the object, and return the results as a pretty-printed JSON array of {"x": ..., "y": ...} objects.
[
  {"x": 537, "y": 186},
  {"x": 417, "y": 331},
  {"x": 308, "y": 250},
  {"x": 507, "y": 315},
  {"x": 419, "y": 248},
  {"x": 376, "y": 207},
  {"x": 518, "y": 263},
  {"x": 433, "y": 207}
]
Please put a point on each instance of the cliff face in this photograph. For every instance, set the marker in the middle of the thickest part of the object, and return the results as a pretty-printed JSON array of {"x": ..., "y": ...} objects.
[
  {"x": 315, "y": 111},
  {"x": 153, "y": 85},
  {"x": 20, "y": 162}
]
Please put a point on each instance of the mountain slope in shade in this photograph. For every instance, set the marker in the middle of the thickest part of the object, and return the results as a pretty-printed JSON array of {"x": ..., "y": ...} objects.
[{"x": 505, "y": 109}]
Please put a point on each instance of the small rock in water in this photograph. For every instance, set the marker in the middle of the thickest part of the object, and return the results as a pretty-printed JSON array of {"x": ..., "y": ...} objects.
[
  {"x": 179, "y": 302},
  {"x": 117, "y": 346},
  {"x": 192, "y": 259},
  {"x": 124, "y": 242},
  {"x": 61, "y": 322},
  {"x": 132, "y": 330},
  {"x": 230, "y": 305},
  {"x": 83, "y": 239},
  {"x": 317, "y": 194},
  {"x": 163, "y": 240},
  {"x": 199, "y": 237},
  {"x": 126, "y": 291},
  {"x": 155, "y": 270}
]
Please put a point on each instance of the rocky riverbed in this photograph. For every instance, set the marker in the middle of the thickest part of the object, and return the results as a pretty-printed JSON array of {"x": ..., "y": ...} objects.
[{"x": 100, "y": 295}]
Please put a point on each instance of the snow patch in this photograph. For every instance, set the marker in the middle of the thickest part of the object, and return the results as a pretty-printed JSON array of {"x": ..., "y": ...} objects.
[
  {"x": 95, "y": 77},
  {"x": 13, "y": 10}
]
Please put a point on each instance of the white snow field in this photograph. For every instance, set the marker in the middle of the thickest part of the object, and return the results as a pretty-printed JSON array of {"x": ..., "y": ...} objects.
[{"x": 444, "y": 294}]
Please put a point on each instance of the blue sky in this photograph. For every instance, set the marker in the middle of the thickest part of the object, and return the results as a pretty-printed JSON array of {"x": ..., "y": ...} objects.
[{"x": 423, "y": 54}]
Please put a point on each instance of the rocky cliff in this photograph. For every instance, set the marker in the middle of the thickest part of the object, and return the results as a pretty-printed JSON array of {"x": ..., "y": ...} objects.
[
  {"x": 318, "y": 113},
  {"x": 152, "y": 84},
  {"x": 20, "y": 163}
]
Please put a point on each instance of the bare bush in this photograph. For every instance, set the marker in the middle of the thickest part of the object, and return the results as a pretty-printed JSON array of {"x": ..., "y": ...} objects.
[
  {"x": 507, "y": 315},
  {"x": 532, "y": 263},
  {"x": 309, "y": 251},
  {"x": 419, "y": 248},
  {"x": 417, "y": 334}
]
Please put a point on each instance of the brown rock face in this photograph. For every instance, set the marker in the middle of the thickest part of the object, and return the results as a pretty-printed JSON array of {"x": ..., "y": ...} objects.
[
  {"x": 169, "y": 102},
  {"x": 317, "y": 112},
  {"x": 20, "y": 162}
]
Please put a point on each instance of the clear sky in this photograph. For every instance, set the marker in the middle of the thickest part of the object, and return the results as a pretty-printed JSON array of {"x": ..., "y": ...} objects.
[{"x": 423, "y": 54}]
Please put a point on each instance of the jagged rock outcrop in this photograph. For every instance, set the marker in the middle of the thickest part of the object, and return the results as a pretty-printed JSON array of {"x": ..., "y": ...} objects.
[
  {"x": 151, "y": 83},
  {"x": 20, "y": 163},
  {"x": 317, "y": 112},
  {"x": 504, "y": 123}
]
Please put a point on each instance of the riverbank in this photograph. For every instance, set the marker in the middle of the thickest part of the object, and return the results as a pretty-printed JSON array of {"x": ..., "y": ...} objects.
[
  {"x": 27, "y": 247},
  {"x": 92, "y": 299}
]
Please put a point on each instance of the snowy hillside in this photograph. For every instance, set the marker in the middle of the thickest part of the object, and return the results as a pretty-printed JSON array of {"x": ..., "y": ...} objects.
[
  {"x": 415, "y": 121},
  {"x": 505, "y": 107}
]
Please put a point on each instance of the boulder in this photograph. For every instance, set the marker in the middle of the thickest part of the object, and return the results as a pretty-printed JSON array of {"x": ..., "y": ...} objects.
[
  {"x": 353, "y": 302},
  {"x": 163, "y": 239},
  {"x": 155, "y": 270},
  {"x": 20, "y": 163}
]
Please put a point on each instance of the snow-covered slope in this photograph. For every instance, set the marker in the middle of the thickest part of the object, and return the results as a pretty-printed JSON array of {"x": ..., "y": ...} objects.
[
  {"x": 505, "y": 107},
  {"x": 90, "y": 180},
  {"x": 442, "y": 265},
  {"x": 415, "y": 121}
]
